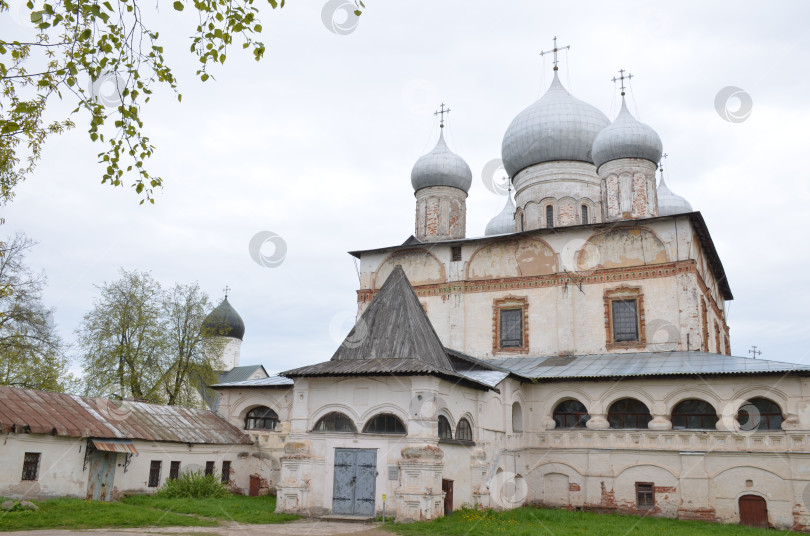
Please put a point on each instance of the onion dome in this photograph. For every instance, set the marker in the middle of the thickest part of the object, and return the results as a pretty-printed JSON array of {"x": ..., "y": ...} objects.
[
  {"x": 224, "y": 321},
  {"x": 556, "y": 127},
  {"x": 626, "y": 137},
  {"x": 670, "y": 203},
  {"x": 441, "y": 167},
  {"x": 504, "y": 222}
]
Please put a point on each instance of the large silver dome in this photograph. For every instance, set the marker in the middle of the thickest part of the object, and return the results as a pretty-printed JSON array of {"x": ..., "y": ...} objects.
[
  {"x": 626, "y": 137},
  {"x": 441, "y": 167},
  {"x": 670, "y": 203},
  {"x": 556, "y": 127},
  {"x": 504, "y": 222}
]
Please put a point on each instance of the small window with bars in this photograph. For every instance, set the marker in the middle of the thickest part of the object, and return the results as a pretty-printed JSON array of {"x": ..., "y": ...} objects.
[
  {"x": 585, "y": 214},
  {"x": 549, "y": 216},
  {"x": 154, "y": 473},
  {"x": 30, "y": 469},
  {"x": 209, "y": 468},
  {"x": 226, "y": 471},
  {"x": 645, "y": 495},
  {"x": 511, "y": 328},
  {"x": 455, "y": 253},
  {"x": 174, "y": 470},
  {"x": 625, "y": 320}
]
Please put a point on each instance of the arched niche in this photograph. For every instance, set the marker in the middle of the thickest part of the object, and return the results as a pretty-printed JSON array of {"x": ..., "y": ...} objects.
[
  {"x": 619, "y": 248},
  {"x": 420, "y": 266},
  {"x": 512, "y": 258}
]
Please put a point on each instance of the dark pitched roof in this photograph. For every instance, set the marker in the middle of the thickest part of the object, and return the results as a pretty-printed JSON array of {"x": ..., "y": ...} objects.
[
  {"x": 238, "y": 374},
  {"x": 696, "y": 218},
  {"x": 42, "y": 412}
]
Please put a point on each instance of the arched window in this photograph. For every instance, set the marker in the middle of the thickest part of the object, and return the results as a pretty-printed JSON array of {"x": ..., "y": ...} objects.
[
  {"x": 261, "y": 418},
  {"x": 628, "y": 413},
  {"x": 549, "y": 216},
  {"x": 584, "y": 214},
  {"x": 517, "y": 418},
  {"x": 445, "y": 430},
  {"x": 694, "y": 414},
  {"x": 464, "y": 430},
  {"x": 384, "y": 423},
  {"x": 760, "y": 414},
  {"x": 334, "y": 422},
  {"x": 571, "y": 414}
]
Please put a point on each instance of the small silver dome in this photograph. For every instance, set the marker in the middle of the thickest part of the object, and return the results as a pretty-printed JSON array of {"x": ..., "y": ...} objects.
[
  {"x": 556, "y": 127},
  {"x": 504, "y": 222},
  {"x": 441, "y": 167},
  {"x": 670, "y": 203},
  {"x": 626, "y": 137}
]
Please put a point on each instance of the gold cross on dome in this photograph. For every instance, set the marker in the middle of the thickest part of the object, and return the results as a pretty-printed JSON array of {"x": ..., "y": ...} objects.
[
  {"x": 555, "y": 50},
  {"x": 441, "y": 113},
  {"x": 621, "y": 78}
]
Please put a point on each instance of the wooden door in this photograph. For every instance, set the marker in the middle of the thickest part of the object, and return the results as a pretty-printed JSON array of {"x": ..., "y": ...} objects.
[
  {"x": 753, "y": 511},
  {"x": 253, "y": 490},
  {"x": 355, "y": 482},
  {"x": 447, "y": 488}
]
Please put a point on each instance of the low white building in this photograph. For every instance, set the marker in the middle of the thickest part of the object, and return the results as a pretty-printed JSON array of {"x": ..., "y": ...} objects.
[{"x": 59, "y": 445}]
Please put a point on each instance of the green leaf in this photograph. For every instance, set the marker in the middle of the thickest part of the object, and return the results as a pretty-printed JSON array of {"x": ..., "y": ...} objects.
[{"x": 178, "y": 5}]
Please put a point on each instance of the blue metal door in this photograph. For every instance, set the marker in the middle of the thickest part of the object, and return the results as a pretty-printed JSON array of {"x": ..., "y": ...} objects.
[{"x": 355, "y": 482}]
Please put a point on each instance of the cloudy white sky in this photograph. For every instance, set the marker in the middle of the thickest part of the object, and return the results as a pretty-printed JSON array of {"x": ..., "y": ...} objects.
[{"x": 316, "y": 143}]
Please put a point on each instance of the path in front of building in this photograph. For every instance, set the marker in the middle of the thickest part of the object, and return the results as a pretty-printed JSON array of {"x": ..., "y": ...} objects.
[{"x": 305, "y": 527}]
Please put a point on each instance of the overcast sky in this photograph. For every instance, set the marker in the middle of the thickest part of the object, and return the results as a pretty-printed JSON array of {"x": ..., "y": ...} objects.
[{"x": 316, "y": 142}]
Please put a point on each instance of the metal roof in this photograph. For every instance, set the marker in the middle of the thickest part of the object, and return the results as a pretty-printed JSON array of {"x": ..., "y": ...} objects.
[
  {"x": 238, "y": 374},
  {"x": 41, "y": 412},
  {"x": 626, "y": 137},
  {"x": 642, "y": 364},
  {"x": 270, "y": 381},
  {"x": 696, "y": 218},
  {"x": 441, "y": 167}
]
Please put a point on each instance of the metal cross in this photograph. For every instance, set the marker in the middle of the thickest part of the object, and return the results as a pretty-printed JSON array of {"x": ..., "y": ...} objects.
[
  {"x": 754, "y": 352},
  {"x": 621, "y": 77},
  {"x": 227, "y": 289},
  {"x": 555, "y": 50},
  {"x": 661, "y": 164},
  {"x": 441, "y": 113}
]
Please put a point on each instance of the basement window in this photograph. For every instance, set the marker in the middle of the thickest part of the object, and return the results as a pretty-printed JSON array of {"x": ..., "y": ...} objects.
[
  {"x": 154, "y": 474},
  {"x": 645, "y": 495},
  {"x": 174, "y": 470},
  {"x": 209, "y": 468},
  {"x": 30, "y": 470},
  {"x": 226, "y": 471}
]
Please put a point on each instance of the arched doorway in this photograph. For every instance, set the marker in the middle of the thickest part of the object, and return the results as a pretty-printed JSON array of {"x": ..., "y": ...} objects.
[{"x": 753, "y": 511}]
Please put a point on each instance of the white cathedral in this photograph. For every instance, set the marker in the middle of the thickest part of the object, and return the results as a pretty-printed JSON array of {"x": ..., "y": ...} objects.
[{"x": 576, "y": 356}]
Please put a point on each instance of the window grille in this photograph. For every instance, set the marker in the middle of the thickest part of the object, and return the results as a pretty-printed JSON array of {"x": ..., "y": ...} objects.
[
  {"x": 226, "y": 471},
  {"x": 549, "y": 216},
  {"x": 645, "y": 495},
  {"x": 209, "y": 468},
  {"x": 261, "y": 418},
  {"x": 334, "y": 422},
  {"x": 511, "y": 328},
  {"x": 154, "y": 473},
  {"x": 455, "y": 252},
  {"x": 464, "y": 430},
  {"x": 174, "y": 470},
  {"x": 445, "y": 430},
  {"x": 625, "y": 320},
  {"x": 384, "y": 423},
  {"x": 584, "y": 214},
  {"x": 30, "y": 470}
]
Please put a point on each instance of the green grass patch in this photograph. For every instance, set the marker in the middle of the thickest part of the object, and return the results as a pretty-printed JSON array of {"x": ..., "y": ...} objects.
[
  {"x": 82, "y": 514},
  {"x": 231, "y": 508},
  {"x": 537, "y": 521}
]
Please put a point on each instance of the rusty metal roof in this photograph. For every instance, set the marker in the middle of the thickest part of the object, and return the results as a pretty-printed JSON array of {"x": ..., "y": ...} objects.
[
  {"x": 42, "y": 412},
  {"x": 115, "y": 445}
]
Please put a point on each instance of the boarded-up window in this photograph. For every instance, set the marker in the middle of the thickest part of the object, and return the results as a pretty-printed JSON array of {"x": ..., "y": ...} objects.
[
  {"x": 209, "y": 468},
  {"x": 625, "y": 320},
  {"x": 174, "y": 470},
  {"x": 455, "y": 253},
  {"x": 30, "y": 470},
  {"x": 154, "y": 473},
  {"x": 226, "y": 471},
  {"x": 645, "y": 496},
  {"x": 511, "y": 328}
]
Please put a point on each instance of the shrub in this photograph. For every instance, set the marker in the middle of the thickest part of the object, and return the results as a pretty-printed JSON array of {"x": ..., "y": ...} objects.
[{"x": 195, "y": 485}]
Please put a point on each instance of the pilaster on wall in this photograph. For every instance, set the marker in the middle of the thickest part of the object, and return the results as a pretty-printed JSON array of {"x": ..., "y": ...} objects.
[
  {"x": 441, "y": 213},
  {"x": 419, "y": 495},
  {"x": 298, "y": 468},
  {"x": 628, "y": 189}
]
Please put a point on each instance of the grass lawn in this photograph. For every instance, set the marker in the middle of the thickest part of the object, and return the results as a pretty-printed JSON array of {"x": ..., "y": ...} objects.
[
  {"x": 143, "y": 511},
  {"x": 536, "y": 521},
  {"x": 82, "y": 514},
  {"x": 233, "y": 508}
]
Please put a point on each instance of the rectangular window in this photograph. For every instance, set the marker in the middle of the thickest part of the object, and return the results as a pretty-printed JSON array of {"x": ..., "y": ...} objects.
[
  {"x": 549, "y": 216},
  {"x": 584, "y": 214},
  {"x": 645, "y": 495},
  {"x": 30, "y": 469},
  {"x": 209, "y": 468},
  {"x": 174, "y": 470},
  {"x": 226, "y": 471},
  {"x": 511, "y": 328},
  {"x": 154, "y": 473},
  {"x": 625, "y": 320},
  {"x": 455, "y": 252}
]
